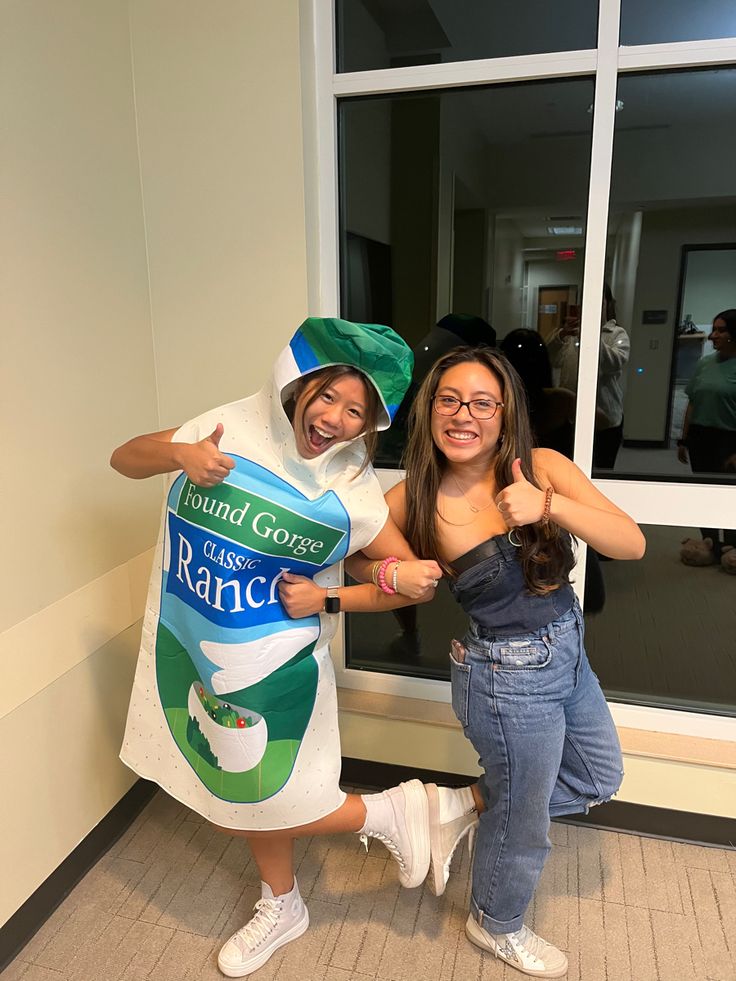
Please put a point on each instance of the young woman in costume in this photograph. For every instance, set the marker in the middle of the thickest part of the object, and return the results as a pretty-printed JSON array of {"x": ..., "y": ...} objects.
[{"x": 234, "y": 709}]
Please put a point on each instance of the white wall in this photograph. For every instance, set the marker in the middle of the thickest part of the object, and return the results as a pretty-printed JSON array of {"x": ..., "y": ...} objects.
[
  {"x": 90, "y": 344},
  {"x": 508, "y": 277},
  {"x": 663, "y": 234}
]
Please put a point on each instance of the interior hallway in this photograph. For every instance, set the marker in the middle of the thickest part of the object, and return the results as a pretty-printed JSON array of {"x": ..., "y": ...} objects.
[{"x": 171, "y": 890}]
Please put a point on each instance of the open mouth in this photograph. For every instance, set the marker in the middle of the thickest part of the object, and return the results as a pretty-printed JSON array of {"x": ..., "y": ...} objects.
[
  {"x": 319, "y": 440},
  {"x": 460, "y": 435}
]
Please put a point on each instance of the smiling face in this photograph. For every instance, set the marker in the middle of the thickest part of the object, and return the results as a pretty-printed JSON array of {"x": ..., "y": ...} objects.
[
  {"x": 461, "y": 438},
  {"x": 333, "y": 416}
]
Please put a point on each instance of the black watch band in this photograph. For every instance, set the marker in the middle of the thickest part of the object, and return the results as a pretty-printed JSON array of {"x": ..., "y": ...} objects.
[{"x": 332, "y": 600}]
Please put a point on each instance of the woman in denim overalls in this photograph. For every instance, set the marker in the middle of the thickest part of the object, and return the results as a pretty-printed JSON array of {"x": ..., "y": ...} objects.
[{"x": 499, "y": 516}]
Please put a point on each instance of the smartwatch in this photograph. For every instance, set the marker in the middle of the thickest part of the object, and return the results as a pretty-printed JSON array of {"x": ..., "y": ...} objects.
[{"x": 332, "y": 600}]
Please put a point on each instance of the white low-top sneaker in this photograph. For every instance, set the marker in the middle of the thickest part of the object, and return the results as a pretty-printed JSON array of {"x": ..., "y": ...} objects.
[
  {"x": 399, "y": 818},
  {"x": 523, "y": 950},
  {"x": 277, "y": 920},
  {"x": 452, "y": 817}
]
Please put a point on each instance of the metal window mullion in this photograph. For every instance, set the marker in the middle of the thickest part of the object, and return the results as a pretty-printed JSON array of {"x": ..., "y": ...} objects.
[
  {"x": 660, "y": 502},
  {"x": 596, "y": 229},
  {"x": 319, "y": 126},
  {"x": 680, "y": 54},
  {"x": 484, "y": 71}
]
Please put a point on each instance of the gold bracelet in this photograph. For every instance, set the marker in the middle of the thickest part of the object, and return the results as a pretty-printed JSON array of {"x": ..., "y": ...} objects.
[{"x": 374, "y": 573}]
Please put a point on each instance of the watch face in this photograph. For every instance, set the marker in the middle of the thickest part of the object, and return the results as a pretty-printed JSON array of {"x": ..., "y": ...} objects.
[{"x": 332, "y": 604}]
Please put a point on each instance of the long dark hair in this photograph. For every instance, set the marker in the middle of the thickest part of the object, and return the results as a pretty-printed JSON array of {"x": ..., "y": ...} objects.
[
  {"x": 325, "y": 378},
  {"x": 546, "y": 555}
]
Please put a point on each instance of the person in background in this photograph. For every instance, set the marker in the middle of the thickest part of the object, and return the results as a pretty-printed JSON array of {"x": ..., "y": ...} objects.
[
  {"x": 564, "y": 345},
  {"x": 708, "y": 441}
]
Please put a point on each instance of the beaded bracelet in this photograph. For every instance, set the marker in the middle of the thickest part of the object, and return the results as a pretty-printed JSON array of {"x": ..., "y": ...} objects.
[
  {"x": 547, "y": 506},
  {"x": 395, "y": 576},
  {"x": 382, "y": 575}
]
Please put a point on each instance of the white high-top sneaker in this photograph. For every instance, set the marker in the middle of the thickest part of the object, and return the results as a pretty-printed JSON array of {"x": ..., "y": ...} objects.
[
  {"x": 452, "y": 816},
  {"x": 523, "y": 950},
  {"x": 277, "y": 920},
  {"x": 398, "y": 818}
]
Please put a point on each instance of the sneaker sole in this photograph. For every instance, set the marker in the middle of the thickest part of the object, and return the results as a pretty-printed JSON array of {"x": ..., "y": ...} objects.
[
  {"x": 477, "y": 936},
  {"x": 297, "y": 930},
  {"x": 417, "y": 817}
]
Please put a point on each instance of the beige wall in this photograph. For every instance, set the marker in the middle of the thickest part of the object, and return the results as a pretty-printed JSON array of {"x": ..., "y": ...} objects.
[
  {"x": 218, "y": 103},
  {"x": 155, "y": 145}
]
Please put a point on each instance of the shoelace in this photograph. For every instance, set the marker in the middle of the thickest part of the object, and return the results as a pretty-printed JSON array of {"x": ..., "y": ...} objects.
[
  {"x": 258, "y": 928},
  {"x": 529, "y": 942},
  {"x": 388, "y": 842}
]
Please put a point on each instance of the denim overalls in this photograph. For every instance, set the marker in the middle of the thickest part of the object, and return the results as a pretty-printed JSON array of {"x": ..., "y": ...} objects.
[{"x": 533, "y": 709}]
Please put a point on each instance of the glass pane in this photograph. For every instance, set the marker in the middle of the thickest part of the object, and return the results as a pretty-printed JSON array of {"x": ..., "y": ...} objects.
[
  {"x": 671, "y": 266},
  {"x": 658, "y": 631},
  {"x": 461, "y": 221},
  {"x": 656, "y": 21},
  {"x": 397, "y": 33},
  {"x": 665, "y": 633}
]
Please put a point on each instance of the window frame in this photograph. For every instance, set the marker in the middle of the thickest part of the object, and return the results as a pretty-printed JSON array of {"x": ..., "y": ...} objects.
[{"x": 322, "y": 87}]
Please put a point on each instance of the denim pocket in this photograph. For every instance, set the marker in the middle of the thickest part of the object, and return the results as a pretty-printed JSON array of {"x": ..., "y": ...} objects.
[
  {"x": 460, "y": 682},
  {"x": 521, "y": 655}
]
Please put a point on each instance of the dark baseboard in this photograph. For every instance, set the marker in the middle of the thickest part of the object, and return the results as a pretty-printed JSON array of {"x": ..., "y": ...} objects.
[
  {"x": 22, "y": 925},
  {"x": 615, "y": 815}
]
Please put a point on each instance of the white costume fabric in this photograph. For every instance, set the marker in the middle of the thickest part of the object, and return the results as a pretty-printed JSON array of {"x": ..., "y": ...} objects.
[{"x": 233, "y": 710}]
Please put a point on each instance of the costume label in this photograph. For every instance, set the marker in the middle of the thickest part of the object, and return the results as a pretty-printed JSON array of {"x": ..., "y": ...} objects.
[{"x": 236, "y": 676}]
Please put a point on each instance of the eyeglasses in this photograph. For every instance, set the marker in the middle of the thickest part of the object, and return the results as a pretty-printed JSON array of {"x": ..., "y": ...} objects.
[{"x": 448, "y": 405}]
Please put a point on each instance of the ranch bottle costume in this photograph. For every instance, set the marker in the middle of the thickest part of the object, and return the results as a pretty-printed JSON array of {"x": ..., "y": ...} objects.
[{"x": 233, "y": 710}]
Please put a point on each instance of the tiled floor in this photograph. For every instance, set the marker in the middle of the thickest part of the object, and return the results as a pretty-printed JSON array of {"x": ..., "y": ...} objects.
[{"x": 161, "y": 902}]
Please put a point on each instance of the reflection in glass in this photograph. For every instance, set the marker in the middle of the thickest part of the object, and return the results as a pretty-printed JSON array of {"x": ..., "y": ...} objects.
[
  {"x": 657, "y": 21},
  {"x": 395, "y": 33},
  {"x": 462, "y": 216},
  {"x": 665, "y": 635},
  {"x": 671, "y": 260}
]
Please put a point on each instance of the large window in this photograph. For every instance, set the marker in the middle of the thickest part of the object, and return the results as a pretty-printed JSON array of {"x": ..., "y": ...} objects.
[
  {"x": 463, "y": 216},
  {"x": 396, "y": 33},
  {"x": 504, "y": 168},
  {"x": 671, "y": 267}
]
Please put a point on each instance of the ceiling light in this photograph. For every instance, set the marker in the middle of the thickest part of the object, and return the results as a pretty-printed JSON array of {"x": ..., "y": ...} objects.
[{"x": 564, "y": 230}]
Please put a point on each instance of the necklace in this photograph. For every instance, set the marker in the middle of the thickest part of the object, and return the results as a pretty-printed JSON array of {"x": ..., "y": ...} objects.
[
  {"x": 455, "y": 524},
  {"x": 473, "y": 508}
]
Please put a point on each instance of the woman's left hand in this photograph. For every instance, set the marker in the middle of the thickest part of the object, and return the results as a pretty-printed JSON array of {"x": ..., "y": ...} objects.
[
  {"x": 521, "y": 503},
  {"x": 301, "y": 597}
]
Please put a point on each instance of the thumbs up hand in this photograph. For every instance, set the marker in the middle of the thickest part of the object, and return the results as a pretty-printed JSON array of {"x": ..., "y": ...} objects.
[
  {"x": 521, "y": 503},
  {"x": 203, "y": 462}
]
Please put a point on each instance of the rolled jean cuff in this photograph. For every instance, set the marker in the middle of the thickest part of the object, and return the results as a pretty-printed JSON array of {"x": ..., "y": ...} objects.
[
  {"x": 577, "y": 805},
  {"x": 490, "y": 925}
]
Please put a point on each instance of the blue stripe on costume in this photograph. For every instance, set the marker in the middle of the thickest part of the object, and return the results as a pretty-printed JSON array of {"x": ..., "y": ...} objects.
[{"x": 304, "y": 356}]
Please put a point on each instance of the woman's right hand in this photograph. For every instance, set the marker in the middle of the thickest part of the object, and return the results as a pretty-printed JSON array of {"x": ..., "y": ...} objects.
[
  {"x": 414, "y": 577},
  {"x": 203, "y": 462}
]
